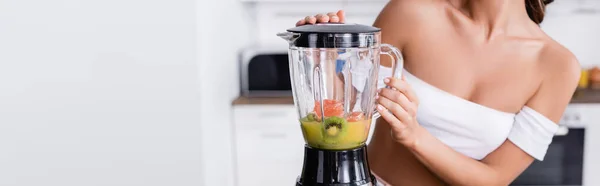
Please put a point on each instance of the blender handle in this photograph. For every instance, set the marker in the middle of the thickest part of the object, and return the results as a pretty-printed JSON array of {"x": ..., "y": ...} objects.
[{"x": 397, "y": 65}]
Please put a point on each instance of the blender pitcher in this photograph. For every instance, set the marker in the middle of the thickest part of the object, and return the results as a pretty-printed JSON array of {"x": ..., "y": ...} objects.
[{"x": 334, "y": 72}]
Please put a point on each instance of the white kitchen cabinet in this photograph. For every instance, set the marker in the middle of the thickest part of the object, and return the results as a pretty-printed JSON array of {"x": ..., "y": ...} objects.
[
  {"x": 591, "y": 119},
  {"x": 588, "y": 7},
  {"x": 269, "y": 147},
  {"x": 587, "y": 116},
  {"x": 575, "y": 25}
]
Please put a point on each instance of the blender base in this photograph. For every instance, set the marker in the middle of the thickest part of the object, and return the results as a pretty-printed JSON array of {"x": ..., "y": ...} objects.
[{"x": 336, "y": 168}]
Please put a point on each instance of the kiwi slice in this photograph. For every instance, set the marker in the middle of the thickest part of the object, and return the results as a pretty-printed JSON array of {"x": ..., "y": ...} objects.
[
  {"x": 334, "y": 129},
  {"x": 310, "y": 118}
]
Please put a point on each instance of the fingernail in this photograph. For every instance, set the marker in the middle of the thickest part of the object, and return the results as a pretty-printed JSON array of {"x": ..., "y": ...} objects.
[
  {"x": 386, "y": 80},
  {"x": 379, "y": 107},
  {"x": 334, "y": 18},
  {"x": 376, "y": 96}
]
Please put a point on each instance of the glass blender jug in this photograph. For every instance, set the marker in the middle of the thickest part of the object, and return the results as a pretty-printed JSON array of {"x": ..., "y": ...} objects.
[{"x": 334, "y": 75}]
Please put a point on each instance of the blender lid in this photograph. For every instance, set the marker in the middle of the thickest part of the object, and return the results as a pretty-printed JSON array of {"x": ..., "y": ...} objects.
[
  {"x": 335, "y": 28},
  {"x": 335, "y": 35}
]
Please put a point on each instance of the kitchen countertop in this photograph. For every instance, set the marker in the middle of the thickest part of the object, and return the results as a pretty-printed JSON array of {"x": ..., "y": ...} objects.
[
  {"x": 586, "y": 96},
  {"x": 581, "y": 96}
]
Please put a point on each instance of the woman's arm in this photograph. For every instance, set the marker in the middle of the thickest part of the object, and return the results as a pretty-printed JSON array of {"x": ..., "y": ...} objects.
[
  {"x": 503, "y": 165},
  {"x": 500, "y": 167}
]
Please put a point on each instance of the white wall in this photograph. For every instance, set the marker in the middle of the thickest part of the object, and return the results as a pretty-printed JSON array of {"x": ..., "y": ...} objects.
[
  {"x": 99, "y": 92},
  {"x": 223, "y": 27}
]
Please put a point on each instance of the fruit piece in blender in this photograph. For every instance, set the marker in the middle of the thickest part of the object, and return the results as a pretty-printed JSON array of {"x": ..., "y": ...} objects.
[
  {"x": 334, "y": 127},
  {"x": 331, "y": 107},
  {"x": 311, "y": 117},
  {"x": 356, "y": 116}
]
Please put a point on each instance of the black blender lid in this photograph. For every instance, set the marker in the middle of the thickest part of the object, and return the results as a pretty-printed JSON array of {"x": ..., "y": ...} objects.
[
  {"x": 335, "y": 28},
  {"x": 335, "y": 35}
]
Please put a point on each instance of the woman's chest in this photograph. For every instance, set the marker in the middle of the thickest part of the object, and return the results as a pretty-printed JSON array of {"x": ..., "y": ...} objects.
[{"x": 502, "y": 76}]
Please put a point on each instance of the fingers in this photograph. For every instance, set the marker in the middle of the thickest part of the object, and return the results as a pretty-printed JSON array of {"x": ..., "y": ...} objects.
[
  {"x": 334, "y": 19},
  {"x": 400, "y": 99},
  {"x": 310, "y": 20},
  {"x": 301, "y": 22},
  {"x": 403, "y": 87},
  {"x": 399, "y": 129},
  {"x": 390, "y": 118},
  {"x": 398, "y": 111},
  {"x": 342, "y": 15},
  {"x": 331, "y": 17},
  {"x": 322, "y": 18}
]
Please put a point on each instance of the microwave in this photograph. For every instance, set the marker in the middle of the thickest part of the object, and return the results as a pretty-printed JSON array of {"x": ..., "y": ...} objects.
[{"x": 265, "y": 72}]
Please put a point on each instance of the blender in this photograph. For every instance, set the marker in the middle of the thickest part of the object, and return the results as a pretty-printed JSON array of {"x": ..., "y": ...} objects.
[{"x": 334, "y": 69}]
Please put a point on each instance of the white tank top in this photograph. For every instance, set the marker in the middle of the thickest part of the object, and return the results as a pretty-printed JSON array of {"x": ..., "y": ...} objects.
[{"x": 473, "y": 129}]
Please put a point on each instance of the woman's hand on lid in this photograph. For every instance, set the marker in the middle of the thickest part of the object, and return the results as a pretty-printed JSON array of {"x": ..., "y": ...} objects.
[
  {"x": 331, "y": 17},
  {"x": 398, "y": 106}
]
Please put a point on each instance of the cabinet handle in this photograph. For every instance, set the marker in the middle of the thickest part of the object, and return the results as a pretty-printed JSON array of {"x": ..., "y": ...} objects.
[{"x": 586, "y": 11}]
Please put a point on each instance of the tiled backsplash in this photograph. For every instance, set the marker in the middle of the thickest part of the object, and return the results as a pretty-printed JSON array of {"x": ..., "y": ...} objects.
[{"x": 573, "y": 23}]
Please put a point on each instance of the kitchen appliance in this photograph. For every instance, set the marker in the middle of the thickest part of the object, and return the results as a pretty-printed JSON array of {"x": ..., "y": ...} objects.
[
  {"x": 334, "y": 73},
  {"x": 264, "y": 72}
]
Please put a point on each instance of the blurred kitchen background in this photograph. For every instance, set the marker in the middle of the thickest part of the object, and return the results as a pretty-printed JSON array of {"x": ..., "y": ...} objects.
[{"x": 192, "y": 92}]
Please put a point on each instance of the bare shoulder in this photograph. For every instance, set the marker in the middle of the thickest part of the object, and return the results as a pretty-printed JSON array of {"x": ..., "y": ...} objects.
[
  {"x": 415, "y": 3},
  {"x": 560, "y": 71},
  {"x": 401, "y": 19},
  {"x": 414, "y": 9},
  {"x": 559, "y": 63}
]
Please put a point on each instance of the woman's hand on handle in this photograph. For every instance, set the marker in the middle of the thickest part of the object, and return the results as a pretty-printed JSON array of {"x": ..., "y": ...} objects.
[
  {"x": 331, "y": 17},
  {"x": 398, "y": 106}
]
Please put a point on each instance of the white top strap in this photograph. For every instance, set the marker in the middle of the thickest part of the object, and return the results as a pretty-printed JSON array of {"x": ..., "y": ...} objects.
[{"x": 532, "y": 132}]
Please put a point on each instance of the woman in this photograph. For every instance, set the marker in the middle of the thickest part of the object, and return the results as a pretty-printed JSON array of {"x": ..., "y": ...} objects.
[{"x": 482, "y": 91}]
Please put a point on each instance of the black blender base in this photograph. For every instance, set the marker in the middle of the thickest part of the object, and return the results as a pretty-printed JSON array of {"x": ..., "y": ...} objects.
[{"x": 336, "y": 168}]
